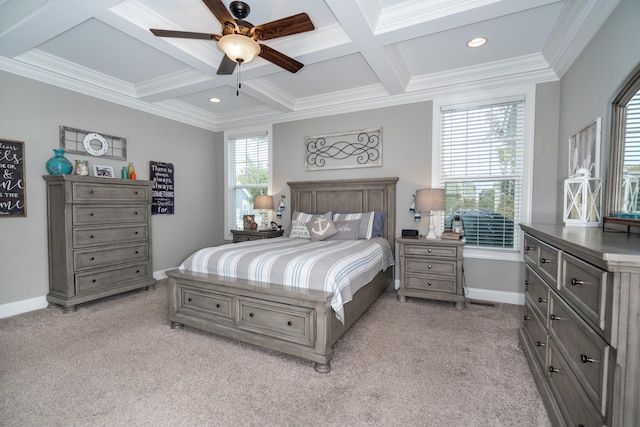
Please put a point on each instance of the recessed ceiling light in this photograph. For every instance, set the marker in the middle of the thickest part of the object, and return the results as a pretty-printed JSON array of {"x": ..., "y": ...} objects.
[
  {"x": 477, "y": 42},
  {"x": 216, "y": 100}
]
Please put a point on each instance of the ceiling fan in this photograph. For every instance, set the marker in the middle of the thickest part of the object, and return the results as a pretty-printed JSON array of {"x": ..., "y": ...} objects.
[{"x": 239, "y": 39}]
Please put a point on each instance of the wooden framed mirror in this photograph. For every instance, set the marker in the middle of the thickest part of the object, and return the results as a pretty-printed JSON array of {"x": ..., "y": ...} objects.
[{"x": 622, "y": 203}]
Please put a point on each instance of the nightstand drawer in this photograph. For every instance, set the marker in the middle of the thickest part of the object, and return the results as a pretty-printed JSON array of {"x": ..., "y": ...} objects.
[
  {"x": 424, "y": 250},
  {"x": 430, "y": 266},
  {"x": 430, "y": 283}
]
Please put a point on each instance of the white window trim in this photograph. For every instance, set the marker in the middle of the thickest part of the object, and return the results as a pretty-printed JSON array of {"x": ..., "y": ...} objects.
[
  {"x": 528, "y": 93},
  {"x": 236, "y": 134}
]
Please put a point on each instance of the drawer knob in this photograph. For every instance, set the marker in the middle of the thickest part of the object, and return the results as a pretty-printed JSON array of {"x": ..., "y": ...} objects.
[
  {"x": 217, "y": 305},
  {"x": 529, "y": 248},
  {"x": 137, "y": 271},
  {"x": 586, "y": 359},
  {"x": 94, "y": 281},
  {"x": 91, "y": 214},
  {"x": 289, "y": 323},
  {"x": 93, "y": 258},
  {"x": 540, "y": 344},
  {"x": 552, "y": 369},
  {"x": 528, "y": 282},
  {"x": 429, "y": 283},
  {"x": 554, "y": 317},
  {"x": 91, "y": 237},
  {"x": 136, "y": 233},
  {"x": 576, "y": 282},
  {"x": 90, "y": 191},
  {"x": 527, "y": 317},
  {"x": 135, "y": 213},
  {"x": 137, "y": 252},
  {"x": 252, "y": 315},
  {"x": 545, "y": 261},
  {"x": 189, "y": 299},
  {"x": 429, "y": 267},
  {"x": 540, "y": 299},
  {"x": 429, "y": 250}
]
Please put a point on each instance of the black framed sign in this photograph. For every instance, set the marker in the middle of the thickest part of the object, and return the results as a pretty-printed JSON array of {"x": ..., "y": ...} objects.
[
  {"x": 162, "y": 196},
  {"x": 13, "y": 193}
]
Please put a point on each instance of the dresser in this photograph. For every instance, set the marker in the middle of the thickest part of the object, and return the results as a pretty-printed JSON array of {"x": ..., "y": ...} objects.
[
  {"x": 431, "y": 269},
  {"x": 99, "y": 232},
  {"x": 581, "y": 331},
  {"x": 244, "y": 235}
]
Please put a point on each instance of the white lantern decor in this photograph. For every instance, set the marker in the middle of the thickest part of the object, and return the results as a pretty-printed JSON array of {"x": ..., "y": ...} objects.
[{"x": 582, "y": 199}]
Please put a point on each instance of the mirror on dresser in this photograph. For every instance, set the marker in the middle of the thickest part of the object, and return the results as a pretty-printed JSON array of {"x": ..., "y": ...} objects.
[{"x": 622, "y": 205}]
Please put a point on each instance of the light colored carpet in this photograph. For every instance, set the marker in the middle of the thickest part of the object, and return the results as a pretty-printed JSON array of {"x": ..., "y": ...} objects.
[{"x": 116, "y": 362}]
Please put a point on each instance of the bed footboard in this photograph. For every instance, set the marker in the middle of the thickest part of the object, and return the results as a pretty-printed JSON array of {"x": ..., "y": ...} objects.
[{"x": 299, "y": 322}]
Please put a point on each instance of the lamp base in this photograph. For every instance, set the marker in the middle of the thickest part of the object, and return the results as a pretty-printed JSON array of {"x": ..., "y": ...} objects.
[{"x": 432, "y": 229}]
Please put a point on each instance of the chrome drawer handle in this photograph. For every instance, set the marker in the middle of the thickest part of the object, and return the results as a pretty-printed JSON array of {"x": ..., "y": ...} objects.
[
  {"x": 429, "y": 267},
  {"x": 545, "y": 261},
  {"x": 429, "y": 283},
  {"x": 529, "y": 248},
  {"x": 576, "y": 282},
  {"x": 586, "y": 359},
  {"x": 554, "y": 317},
  {"x": 540, "y": 344},
  {"x": 527, "y": 317},
  {"x": 553, "y": 370},
  {"x": 429, "y": 250},
  {"x": 540, "y": 299},
  {"x": 528, "y": 282}
]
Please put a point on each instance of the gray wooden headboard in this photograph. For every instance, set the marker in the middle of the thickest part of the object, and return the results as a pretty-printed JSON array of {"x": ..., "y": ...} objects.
[{"x": 352, "y": 195}]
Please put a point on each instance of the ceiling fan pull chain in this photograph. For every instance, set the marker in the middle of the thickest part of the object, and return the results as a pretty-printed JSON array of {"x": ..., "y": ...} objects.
[{"x": 239, "y": 78}]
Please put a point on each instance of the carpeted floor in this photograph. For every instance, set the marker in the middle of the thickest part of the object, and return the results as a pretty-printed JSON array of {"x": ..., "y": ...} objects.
[{"x": 116, "y": 362}]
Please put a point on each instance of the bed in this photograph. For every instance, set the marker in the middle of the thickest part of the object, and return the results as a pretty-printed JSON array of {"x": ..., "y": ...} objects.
[{"x": 291, "y": 319}]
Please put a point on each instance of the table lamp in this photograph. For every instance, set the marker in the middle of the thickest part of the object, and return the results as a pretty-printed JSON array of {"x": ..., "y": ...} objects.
[
  {"x": 430, "y": 200},
  {"x": 263, "y": 202}
]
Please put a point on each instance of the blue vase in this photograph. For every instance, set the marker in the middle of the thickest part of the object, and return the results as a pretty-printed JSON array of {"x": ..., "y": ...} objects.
[{"x": 59, "y": 164}]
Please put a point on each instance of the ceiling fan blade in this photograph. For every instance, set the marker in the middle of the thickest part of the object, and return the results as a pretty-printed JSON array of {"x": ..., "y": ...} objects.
[
  {"x": 221, "y": 12},
  {"x": 227, "y": 65},
  {"x": 184, "y": 34},
  {"x": 295, "y": 24},
  {"x": 280, "y": 59}
]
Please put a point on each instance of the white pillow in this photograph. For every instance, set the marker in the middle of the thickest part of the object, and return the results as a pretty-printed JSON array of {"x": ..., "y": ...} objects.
[{"x": 299, "y": 230}]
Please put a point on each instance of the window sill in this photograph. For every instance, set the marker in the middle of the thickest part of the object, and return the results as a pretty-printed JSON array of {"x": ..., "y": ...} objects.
[{"x": 493, "y": 254}]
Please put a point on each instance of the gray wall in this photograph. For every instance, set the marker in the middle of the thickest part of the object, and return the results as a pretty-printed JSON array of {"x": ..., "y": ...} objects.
[
  {"x": 31, "y": 112},
  {"x": 593, "y": 80}
]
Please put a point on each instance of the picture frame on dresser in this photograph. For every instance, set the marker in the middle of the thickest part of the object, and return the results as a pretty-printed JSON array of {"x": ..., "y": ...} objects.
[{"x": 101, "y": 171}]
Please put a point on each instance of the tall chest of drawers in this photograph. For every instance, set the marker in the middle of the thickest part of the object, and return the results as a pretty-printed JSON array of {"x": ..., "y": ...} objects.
[
  {"x": 581, "y": 332},
  {"x": 99, "y": 232}
]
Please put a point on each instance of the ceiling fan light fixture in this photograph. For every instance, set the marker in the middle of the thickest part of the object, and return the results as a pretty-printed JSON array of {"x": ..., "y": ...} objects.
[
  {"x": 239, "y": 48},
  {"x": 477, "y": 42}
]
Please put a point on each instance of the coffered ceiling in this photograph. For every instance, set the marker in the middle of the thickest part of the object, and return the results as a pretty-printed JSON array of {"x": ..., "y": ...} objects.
[{"x": 362, "y": 53}]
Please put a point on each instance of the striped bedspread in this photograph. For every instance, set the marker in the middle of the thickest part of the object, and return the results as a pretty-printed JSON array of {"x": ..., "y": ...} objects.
[{"x": 337, "y": 266}]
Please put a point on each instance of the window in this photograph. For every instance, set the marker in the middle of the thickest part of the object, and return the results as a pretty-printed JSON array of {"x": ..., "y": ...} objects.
[
  {"x": 247, "y": 175},
  {"x": 631, "y": 164},
  {"x": 478, "y": 160}
]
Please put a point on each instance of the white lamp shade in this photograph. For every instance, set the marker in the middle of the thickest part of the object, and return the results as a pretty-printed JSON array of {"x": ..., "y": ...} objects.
[
  {"x": 239, "y": 48},
  {"x": 263, "y": 201},
  {"x": 430, "y": 199}
]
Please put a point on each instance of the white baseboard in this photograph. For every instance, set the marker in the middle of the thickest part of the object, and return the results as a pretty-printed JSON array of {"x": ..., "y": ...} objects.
[
  {"x": 516, "y": 298},
  {"x": 23, "y": 306}
]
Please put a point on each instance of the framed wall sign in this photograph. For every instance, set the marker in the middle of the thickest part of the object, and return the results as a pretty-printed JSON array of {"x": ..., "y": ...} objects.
[
  {"x": 13, "y": 191},
  {"x": 84, "y": 142},
  {"x": 584, "y": 149},
  {"x": 163, "y": 193}
]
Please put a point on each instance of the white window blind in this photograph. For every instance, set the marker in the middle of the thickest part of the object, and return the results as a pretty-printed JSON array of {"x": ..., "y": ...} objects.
[
  {"x": 247, "y": 176},
  {"x": 631, "y": 175},
  {"x": 481, "y": 170}
]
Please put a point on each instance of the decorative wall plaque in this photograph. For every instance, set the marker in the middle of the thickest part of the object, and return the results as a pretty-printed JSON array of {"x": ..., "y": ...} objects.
[
  {"x": 88, "y": 143},
  {"x": 357, "y": 149}
]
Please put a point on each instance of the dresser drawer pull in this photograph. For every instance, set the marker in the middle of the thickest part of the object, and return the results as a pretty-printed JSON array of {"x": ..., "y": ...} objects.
[
  {"x": 540, "y": 299},
  {"x": 527, "y": 317},
  {"x": 91, "y": 214},
  {"x": 586, "y": 359},
  {"x": 528, "y": 282},
  {"x": 135, "y": 213},
  {"x": 545, "y": 261},
  {"x": 529, "y": 248},
  {"x": 189, "y": 299},
  {"x": 289, "y": 323},
  {"x": 553, "y": 370},
  {"x": 429, "y": 267},
  {"x": 93, "y": 258},
  {"x": 90, "y": 191},
  {"x": 94, "y": 281},
  {"x": 554, "y": 317},
  {"x": 136, "y": 233},
  {"x": 217, "y": 305},
  {"x": 137, "y": 271},
  {"x": 429, "y": 250},
  {"x": 540, "y": 344},
  {"x": 576, "y": 282},
  {"x": 137, "y": 252},
  {"x": 91, "y": 236},
  {"x": 429, "y": 283},
  {"x": 252, "y": 315}
]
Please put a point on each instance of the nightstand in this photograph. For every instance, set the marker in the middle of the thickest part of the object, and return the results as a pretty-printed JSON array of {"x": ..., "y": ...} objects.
[
  {"x": 431, "y": 269},
  {"x": 244, "y": 235}
]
